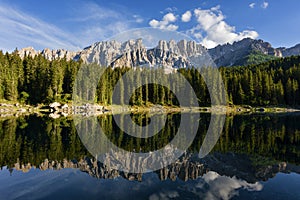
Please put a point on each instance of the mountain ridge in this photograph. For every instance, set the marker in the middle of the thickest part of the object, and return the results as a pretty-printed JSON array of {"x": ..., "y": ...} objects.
[{"x": 172, "y": 54}]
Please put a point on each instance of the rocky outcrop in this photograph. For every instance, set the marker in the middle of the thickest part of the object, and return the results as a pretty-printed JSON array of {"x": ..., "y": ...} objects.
[
  {"x": 48, "y": 54},
  {"x": 28, "y": 51},
  {"x": 173, "y": 54},
  {"x": 58, "y": 54},
  {"x": 134, "y": 53},
  {"x": 57, "y": 110},
  {"x": 102, "y": 53}
]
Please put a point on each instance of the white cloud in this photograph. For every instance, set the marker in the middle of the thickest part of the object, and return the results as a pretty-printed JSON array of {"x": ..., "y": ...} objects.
[
  {"x": 223, "y": 187},
  {"x": 154, "y": 23},
  {"x": 216, "y": 8},
  {"x": 211, "y": 186},
  {"x": 170, "y": 17},
  {"x": 252, "y": 5},
  {"x": 172, "y": 27},
  {"x": 138, "y": 19},
  {"x": 212, "y": 23},
  {"x": 265, "y": 5},
  {"x": 186, "y": 17},
  {"x": 165, "y": 23}
]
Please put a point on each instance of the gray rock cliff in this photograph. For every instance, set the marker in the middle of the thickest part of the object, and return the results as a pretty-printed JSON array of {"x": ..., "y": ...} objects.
[{"x": 172, "y": 54}]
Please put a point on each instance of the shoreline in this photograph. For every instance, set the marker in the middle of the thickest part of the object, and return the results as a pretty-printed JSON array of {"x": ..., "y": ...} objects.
[{"x": 56, "y": 110}]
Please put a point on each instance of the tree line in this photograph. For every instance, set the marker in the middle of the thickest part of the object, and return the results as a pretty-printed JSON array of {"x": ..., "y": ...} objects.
[
  {"x": 32, "y": 139},
  {"x": 34, "y": 80}
]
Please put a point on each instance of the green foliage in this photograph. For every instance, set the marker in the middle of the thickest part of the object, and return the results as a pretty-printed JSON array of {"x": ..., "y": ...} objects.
[
  {"x": 23, "y": 97},
  {"x": 32, "y": 139},
  {"x": 257, "y": 57},
  {"x": 35, "y": 80},
  {"x": 275, "y": 82},
  {"x": 38, "y": 80}
]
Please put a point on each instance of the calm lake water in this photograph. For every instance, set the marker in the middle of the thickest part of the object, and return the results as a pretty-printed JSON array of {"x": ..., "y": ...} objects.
[{"x": 256, "y": 157}]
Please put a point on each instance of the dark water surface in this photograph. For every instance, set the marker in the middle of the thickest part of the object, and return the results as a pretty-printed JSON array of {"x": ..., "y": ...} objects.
[{"x": 256, "y": 157}]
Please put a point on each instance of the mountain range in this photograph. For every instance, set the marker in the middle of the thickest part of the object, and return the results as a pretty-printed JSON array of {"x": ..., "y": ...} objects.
[{"x": 172, "y": 54}]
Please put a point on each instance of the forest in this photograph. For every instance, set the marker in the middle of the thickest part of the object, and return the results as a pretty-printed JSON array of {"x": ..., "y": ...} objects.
[
  {"x": 35, "y": 80},
  {"x": 31, "y": 139}
]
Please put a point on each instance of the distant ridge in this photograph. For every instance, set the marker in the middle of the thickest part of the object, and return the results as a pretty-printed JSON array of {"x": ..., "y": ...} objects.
[{"x": 172, "y": 54}]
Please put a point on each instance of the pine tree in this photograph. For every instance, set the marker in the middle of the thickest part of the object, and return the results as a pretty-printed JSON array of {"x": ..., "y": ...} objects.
[{"x": 240, "y": 95}]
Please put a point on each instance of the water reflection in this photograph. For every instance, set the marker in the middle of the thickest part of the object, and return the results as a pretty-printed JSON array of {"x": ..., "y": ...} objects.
[
  {"x": 251, "y": 149},
  {"x": 73, "y": 184}
]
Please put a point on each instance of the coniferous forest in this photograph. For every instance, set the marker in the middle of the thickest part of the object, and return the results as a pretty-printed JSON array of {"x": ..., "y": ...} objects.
[
  {"x": 38, "y": 80},
  {"x": 31, "y": 139}
]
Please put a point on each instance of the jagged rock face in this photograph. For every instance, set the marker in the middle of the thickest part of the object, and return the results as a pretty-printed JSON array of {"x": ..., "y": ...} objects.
[
  {"x": 129, "y": 54},
  {"x": 28, "y": 51},
  {"x": 102, "y": 53},
  {"x": 113, "y": 53},
  {"x": 173, "y": 54},
  {"x": 48, "y": 54},
  {"x": 58, "y": 54},
  {"x": 265, "y": 47},
  {"x": 132, "y": 53},
  {"x": 167, "y": 54},
  {"x": 166, "y": 58}
]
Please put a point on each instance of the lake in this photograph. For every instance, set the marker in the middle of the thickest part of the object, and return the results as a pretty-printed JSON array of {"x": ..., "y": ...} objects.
[{"x": 257, "y": 156}]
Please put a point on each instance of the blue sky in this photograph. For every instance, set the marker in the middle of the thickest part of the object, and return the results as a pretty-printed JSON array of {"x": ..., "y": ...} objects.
[{"x": 76, "y": 24}]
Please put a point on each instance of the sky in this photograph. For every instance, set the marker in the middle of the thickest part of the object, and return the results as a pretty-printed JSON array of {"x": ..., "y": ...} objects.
[{"x": 76, "y": 24}]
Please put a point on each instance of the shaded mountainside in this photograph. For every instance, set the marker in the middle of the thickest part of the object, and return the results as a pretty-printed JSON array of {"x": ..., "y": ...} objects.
[
  {"x": 290, "y": 51},
  {"x": 180, "y": 54},
  {"x": 239, "y": 53}
]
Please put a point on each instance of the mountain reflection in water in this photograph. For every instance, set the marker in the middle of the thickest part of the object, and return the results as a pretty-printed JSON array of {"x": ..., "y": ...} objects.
[{"x": 252, "y": 152}]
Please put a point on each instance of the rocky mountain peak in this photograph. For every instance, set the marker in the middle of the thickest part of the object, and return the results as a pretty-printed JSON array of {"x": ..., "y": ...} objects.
[
  {"x": 171, "y": 53},
  {"x": 47, "y": 53},
  {"x": 166, "y": 53},
  {"x": 28, "y": 51},
  {"x": 235, "y": 54}
]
